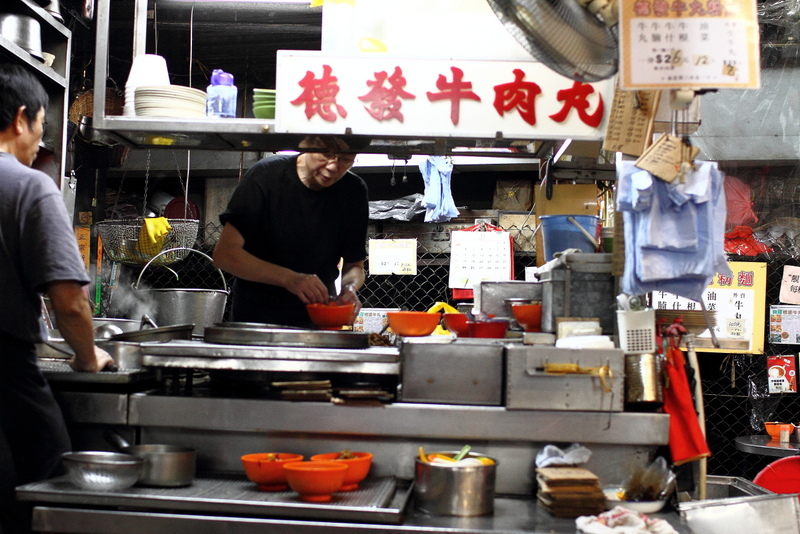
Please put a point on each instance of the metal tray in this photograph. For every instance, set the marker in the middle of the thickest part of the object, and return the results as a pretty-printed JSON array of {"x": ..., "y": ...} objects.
[
  {"x": 378, "y": 499},
  {"x": 58, "y": 371},
  {"x": 281, "y": 337},
  {"x": 162, "y": 333}
]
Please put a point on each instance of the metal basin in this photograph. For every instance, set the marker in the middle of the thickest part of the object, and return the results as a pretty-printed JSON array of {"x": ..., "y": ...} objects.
[
  {"x": 23, "y": 31},
  {"x": 101, "y": 470}
]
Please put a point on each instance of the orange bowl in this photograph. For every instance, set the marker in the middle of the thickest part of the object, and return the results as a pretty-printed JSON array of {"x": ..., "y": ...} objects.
[
  {"x": 266, "y": 469},
  {"x": 413, "y": 323},
  {"x": 457, "y": 323},
  {"x": 358, "y": 467},
  {"x": 774, "y": 428},
  {"x": 331, "y": 315},
  {"x": 315, "y": 481},
  {"x": 488, "y": 329},
  {"x": 529, "y": 316}
]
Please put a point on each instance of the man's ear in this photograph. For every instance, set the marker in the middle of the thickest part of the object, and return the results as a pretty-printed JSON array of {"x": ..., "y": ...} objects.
[{"x": 20, "y": 122}]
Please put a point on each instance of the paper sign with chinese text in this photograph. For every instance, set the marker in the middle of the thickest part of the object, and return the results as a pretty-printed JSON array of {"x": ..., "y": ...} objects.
[
  {"x": 790, "y": 285},
  {"x": 393, "y": 256},
  {"x": 478, "y": 257},
  {"x": 782, "y": 374},
  {"x": 737, "y": 302},
  {"x": 385, "y": 95},
  {"x": 693, "y": 44},
  {"x": 784, "y": 324}
]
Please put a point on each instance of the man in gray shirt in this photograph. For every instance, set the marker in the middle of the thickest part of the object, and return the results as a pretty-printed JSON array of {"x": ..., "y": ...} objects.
[{"x": 38, "y": 255}]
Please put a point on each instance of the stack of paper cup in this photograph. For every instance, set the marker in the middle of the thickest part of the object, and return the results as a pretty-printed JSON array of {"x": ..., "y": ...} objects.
[{"x": 146, "y": 69}]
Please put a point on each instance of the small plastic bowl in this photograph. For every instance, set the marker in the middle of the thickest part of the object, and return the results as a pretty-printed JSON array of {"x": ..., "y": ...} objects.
[
  {"x": 774, "y": 428},
  {"x": 315, "y": 481},
  {"x": 643, "y": 507},
  {"x": 413, "y": 323},
  {"x": 331, "y": 316},
  {"x": 266, "y": 469},
  {"x": 457, "y": 323},
  {"x": 358, "y": 467},
  {"x": 488, "y": 329},
  {"x": 529, "y": 316}
]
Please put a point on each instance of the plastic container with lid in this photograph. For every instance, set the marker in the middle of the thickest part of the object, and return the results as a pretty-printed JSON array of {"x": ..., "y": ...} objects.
[{"x": 221, "y": 95}]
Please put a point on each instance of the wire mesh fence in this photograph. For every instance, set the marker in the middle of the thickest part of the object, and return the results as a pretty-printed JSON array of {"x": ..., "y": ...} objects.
[{"x": 734, "y": 385}]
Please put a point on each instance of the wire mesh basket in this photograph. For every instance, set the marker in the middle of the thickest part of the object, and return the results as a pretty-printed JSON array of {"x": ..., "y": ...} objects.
[{"x": 121, "y": 237}]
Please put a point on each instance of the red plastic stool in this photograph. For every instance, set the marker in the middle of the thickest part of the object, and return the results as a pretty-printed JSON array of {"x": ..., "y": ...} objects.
[{"x": 781, "y": 476}]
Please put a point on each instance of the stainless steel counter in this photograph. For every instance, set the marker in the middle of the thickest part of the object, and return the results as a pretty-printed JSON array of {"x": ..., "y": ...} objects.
[
  {"x": 511, "y": 516},
  {"x": 766, "y": 446}
]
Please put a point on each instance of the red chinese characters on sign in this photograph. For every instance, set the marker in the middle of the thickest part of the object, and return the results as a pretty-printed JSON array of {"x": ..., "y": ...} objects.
[
  {"x": 385, "y": 102},
  {"x": 517, "y": 94},
  {"x": 319, "y": 95},
  {"x": 454, "y": 91},
  {"x": 746, "y": 278},
  {"x": 384, "y": 99},
  {"x": 575, "y": 97}
]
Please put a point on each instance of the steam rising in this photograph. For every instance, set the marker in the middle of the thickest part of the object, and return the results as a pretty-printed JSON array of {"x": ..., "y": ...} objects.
[{"x": 130, "y": 303}]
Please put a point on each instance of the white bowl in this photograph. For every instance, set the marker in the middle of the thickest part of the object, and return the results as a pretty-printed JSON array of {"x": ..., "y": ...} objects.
[{"x": 642, "y": 507}]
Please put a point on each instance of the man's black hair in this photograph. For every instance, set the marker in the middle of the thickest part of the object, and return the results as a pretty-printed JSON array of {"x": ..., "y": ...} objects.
[{"x": 18, "y": 88}]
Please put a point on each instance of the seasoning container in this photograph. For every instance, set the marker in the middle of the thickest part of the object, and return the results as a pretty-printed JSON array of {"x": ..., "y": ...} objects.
[{"x": 221, "y": 95}]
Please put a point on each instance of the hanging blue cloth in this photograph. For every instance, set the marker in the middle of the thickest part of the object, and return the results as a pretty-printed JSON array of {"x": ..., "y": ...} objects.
[
  {"x": 438, "y": 200},
  {"x": 674, "y": 232}
]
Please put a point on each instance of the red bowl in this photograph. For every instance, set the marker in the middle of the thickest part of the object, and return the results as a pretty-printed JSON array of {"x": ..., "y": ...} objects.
[
  {"x": 457, "y": 323},
  {"x": 488, "y": 329},
  {"x": 529, "y": 316},
  {"x": 315, "y": 481},
  {"x": 413, "y": 323},
  {"x": 266, "y": 469},
  {"x": 358, "y": 467},
  {"x": 332, "y": 315}
]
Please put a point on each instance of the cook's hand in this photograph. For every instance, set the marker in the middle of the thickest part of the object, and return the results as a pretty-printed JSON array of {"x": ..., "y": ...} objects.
[
  {"x": 348, "y": 295},
  {"x": 102, "y": 360},
  {"x": 308, "y": 288}
]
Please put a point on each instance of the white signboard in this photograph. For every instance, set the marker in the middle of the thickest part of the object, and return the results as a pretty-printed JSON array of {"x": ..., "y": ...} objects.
[
  {"x": 693, "y": 45},
  {"x": 790, "y": 285},
  {"x": 393, "y": 256},
  {"x": 385, "y": 95}
]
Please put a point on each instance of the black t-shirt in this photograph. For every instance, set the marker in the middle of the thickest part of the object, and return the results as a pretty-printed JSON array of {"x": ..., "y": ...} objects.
[{"x": 286, "y": 223}]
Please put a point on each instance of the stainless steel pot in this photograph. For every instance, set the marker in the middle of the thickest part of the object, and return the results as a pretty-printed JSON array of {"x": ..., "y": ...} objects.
[
  {"x": 164, "y": 465},
  {"x": 23, "y": 31},
  {"x": 454, "y": 490},
  {"x": 201, "y": 307}
]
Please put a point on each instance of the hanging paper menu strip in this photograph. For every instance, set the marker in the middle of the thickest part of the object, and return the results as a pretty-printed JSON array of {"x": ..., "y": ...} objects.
[
  {"x": 630, "y": 123},
  {"x": 477, "y": 256}
]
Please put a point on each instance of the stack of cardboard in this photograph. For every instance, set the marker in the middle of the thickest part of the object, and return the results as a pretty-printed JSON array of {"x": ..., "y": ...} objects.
[{"x": 569, "y": 491}]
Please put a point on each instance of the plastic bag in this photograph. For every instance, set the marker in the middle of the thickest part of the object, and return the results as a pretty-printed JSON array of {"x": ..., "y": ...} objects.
[
  {"x": 651, "y": 483},
  {"x": 402, "y": 209},
  {"x": 551, "y": 456}
]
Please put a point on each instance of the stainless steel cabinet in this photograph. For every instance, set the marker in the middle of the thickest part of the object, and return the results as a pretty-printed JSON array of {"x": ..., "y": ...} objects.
[{"x": 56, "y": 40}]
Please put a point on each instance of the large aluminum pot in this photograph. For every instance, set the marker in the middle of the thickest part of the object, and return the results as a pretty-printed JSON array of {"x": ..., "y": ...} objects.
[
  {"x": 166, "y": 466},
  {"x": 454, "y": 490},
  {"x": 201, "y": 307}
]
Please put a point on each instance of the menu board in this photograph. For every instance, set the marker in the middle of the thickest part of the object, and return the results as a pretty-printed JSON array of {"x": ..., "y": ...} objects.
[
  {"x": 393, "y": 256},
  {"x": 737, "y": 302},
  {"x": 689, "y": 45},
  {"x": 630, "y": 123}
]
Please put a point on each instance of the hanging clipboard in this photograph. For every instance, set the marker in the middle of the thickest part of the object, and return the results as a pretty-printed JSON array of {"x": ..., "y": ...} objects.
[{"x": 483, "y": 252}]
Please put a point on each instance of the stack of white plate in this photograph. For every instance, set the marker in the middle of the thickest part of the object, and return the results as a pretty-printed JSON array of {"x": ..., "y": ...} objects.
[{"x": 173, "y": 101}]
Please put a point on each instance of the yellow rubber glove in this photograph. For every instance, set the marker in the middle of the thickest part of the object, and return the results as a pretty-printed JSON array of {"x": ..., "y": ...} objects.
[{"x": 151, "y": 235}]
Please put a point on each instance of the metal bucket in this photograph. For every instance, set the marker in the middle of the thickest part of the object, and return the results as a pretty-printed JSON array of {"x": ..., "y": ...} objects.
[
  {"x": 454, "y": 490},
  {"x": 201, "y": 307},
  {"x": 643, "y": 379}
]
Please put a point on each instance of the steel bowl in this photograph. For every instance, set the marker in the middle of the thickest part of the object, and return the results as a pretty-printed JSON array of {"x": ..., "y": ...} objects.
[{"x": 101, "y": 470}]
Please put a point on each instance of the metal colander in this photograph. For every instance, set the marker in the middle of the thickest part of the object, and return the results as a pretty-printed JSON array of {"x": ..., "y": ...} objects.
[{"x": 120, "y": 237}]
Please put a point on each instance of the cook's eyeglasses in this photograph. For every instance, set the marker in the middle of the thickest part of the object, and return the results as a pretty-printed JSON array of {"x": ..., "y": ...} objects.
[{"x": 339, "y": 159}]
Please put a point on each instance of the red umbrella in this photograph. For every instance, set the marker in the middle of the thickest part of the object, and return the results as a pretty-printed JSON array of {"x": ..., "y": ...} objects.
[{"x": 686, "y": 440}]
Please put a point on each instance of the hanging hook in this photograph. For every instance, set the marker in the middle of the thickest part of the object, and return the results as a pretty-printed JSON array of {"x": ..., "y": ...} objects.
[{"x": 393, "y": 182}]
